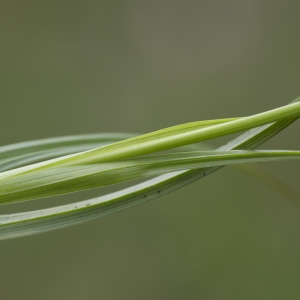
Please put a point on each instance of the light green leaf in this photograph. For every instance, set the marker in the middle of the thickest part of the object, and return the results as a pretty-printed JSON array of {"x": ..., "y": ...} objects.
[
  {"x": 21, "y": 224},
  {"x": 68, "y": 179}
]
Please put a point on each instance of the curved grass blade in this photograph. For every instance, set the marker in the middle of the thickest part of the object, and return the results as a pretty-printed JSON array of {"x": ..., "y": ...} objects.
[
  {"x": 20, "y": 154},
  {"x": 168, "y": 138},
  {"x": 78, "y": 158},
  {"x": 34, "y": 151},
  {"x": 69, "y": 179},
  {"x": 22, "y": 224}
]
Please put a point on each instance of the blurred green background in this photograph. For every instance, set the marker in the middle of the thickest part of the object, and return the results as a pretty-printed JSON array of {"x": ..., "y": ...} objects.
[{"x": 71, "y": 67}]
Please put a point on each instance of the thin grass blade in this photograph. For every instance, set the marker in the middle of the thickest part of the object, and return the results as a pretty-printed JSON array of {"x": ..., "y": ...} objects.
[{"x": 27, "y": 223}]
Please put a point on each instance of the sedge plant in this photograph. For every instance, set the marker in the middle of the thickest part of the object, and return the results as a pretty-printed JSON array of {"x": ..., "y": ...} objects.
[{"x": 57, "y": 166}]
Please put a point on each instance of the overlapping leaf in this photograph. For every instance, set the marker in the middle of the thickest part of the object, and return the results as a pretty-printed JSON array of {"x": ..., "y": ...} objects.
[
  {"x": 67, "y": 179},
  {"x": 122, "y": 161}
]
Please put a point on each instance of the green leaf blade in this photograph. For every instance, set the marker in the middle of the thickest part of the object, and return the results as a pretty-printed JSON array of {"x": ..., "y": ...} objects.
[{"x": 22, "y": 224}]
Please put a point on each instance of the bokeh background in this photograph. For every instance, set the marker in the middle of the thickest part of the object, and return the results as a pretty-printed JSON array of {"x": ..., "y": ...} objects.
[{"x": 72, "y": 67}]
